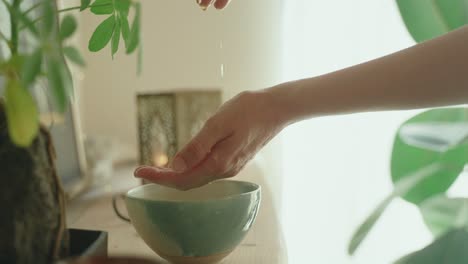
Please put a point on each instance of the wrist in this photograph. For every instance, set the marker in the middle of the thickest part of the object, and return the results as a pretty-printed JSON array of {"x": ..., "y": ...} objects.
[{"x": 281, "y": 99}]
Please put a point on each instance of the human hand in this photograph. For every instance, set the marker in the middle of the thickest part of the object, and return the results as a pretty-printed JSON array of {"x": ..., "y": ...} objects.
[
  {"x": 228, "y": 140},
  {"x": 218, "y": 4}
]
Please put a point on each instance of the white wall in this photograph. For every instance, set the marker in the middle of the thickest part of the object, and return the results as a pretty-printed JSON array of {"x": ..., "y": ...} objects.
[
  {"x": 182, "y": 51},
  {"x": 336, "y": 169}
]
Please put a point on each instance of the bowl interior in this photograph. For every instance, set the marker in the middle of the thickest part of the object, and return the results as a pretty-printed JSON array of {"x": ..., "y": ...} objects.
[{"x": 215, "y": 191}]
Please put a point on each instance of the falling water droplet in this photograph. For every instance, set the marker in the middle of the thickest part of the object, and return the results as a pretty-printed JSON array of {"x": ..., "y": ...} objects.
[{"x": 222, "y": 64}]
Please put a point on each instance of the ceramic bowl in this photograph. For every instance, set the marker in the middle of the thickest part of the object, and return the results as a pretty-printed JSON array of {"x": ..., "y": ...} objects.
[{"x": 201, "y": 225}]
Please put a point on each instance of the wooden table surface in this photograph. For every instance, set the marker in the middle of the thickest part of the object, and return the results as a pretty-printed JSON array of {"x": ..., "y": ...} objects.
[{"x": 93, "y": 210}]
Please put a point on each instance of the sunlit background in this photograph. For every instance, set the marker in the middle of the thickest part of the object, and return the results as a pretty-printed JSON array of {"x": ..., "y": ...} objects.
[{"x": 336, "y": 169}]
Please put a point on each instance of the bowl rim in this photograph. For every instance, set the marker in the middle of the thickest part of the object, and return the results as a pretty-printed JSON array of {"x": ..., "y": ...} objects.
[{"x": 257, "y": 188}]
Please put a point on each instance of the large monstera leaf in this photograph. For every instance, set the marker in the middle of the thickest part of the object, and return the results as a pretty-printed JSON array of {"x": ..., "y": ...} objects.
[
  {"x": 427, "y": 19},
  {"x": 434, "y": 136},
  {"x": 451, "y": 248}
]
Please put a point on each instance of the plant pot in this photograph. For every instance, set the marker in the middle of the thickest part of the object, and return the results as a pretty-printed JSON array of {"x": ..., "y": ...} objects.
[
  {"x": 32, "y": 222},
  {"x": 87, "y": 243}
]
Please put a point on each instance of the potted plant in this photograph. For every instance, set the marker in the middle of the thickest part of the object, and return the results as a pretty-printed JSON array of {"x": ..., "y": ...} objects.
[
  {"x": 430, "y": 151},
  {"x": 32, "y": 225}
]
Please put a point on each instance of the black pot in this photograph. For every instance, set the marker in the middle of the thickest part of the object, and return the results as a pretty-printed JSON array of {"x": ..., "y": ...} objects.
[{"x": 88, "y": 243}]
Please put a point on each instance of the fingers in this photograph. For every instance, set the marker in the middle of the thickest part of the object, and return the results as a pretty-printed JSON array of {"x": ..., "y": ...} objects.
[
  {"x": 217, "y": 165},
  {"x": 204, "y": 3},
  {"x": 158, "y": 175},
  {"x": 198, "y": 148},
  {"x": 220, "y": 4}
]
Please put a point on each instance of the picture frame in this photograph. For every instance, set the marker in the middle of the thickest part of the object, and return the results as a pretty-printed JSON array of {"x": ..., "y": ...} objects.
[{"x": 68, "y": 141}]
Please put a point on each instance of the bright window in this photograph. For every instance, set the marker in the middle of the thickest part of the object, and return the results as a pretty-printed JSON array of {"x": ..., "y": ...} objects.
[{"x": 336, "y": 169}]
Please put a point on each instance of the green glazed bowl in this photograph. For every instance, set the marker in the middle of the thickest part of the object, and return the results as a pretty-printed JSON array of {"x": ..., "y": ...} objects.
[{"x": 201, "y": 225}]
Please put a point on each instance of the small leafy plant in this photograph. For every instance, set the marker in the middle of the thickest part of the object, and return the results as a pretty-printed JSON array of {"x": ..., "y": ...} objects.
[
  {"x": 37, "y": 48},
  {"x": 430, "y": 152}
]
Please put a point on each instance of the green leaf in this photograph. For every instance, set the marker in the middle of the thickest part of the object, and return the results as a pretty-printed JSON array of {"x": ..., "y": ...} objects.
[
  {"x": 115, "y": 38},
  {"x": 84, "y": 4},
  {"x": 435, "y": 136},
  {"x": 102, "y": 35},
  {"x": 102, "y": 7},
  {"x": 31, "y": 67},
  {"x": 134, "y": 38},
  {"x": 22, "y": 114},
  {"x": 401, "y": 188},
  {"x": 442, "y": 214},
  {"x": 367, "y": 225},
  {"x": 452, "y": 248},
  {"x": 408, "y": 158},
  {"x": 67, "y": 27},
  {"x": 453, "y": 12},
  {"x": 122, "y": 6},
  {"x": 428, "y": 19},
  {"x": 74, "y": 55},
  {"x": 125, "y": 28},
  {"x": 60, "y": 83},
  {"x": 49, "y": 17}
]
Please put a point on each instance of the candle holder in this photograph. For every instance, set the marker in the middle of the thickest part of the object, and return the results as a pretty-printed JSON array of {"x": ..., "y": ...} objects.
[{"x": 167, "y": 121}]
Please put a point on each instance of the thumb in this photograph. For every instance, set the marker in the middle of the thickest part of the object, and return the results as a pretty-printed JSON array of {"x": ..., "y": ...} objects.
[{"x": 197, "y": 149}]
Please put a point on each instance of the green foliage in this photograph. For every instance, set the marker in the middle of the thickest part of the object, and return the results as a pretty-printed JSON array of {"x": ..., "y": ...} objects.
[
  {"x": 407, "y": 157},
  {"x": 48, "y": 24},
  {"x": 31, "y": 67},
  {"x": 47, "y": 61},
  {"x": 67, "y": 27},
  {"x": 134, "y": 38},
  {"x": 125, "y": 28},
  {"x": 428, "y": 156},
  {"x": 117, "y": 26},
  {"x": 116, "y": 37},
  {"x": 84, "y": 4},
  {"x": 102, "y": 35},
  {"x": 364, "y": 229},
  {"x": 60, "y": 83},
  {"x": 442, "y": 214},
  {"x": 451, "y": 248},
  {"x": 103, "y": 7},
  {"x": 437, "y": 137},
  {"x": 428, "y": 19},
  {"x": 28, "y": 23},
  {"x": 74, "y": 55},
  {"x": 404, "y": 186},
  {"x": 22, "y": 114}
]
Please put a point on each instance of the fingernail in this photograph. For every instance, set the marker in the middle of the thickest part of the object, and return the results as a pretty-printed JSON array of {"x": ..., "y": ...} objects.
[
  {"x": 179, "y": 165},
  {"x": 142, "y": 171},
  {"x": 199, "y": 1}
]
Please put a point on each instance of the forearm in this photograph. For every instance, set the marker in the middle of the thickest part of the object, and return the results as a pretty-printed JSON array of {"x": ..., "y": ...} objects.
[{"x": 434, "y": 73}]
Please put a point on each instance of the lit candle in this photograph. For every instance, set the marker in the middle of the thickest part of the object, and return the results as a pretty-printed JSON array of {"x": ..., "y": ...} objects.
[{"x": 160, "y": 160}]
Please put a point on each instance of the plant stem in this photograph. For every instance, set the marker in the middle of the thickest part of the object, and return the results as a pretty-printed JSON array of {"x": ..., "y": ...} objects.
[
  {"x": 65, "y": 10},
  {"x": 2, "y": 36},
  {"x": 14, "y": 27},
  {"x": 33, "y": 7}
]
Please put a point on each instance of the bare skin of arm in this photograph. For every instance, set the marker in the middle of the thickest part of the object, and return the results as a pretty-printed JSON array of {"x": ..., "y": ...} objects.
[{"x": 430, "y": 74}]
